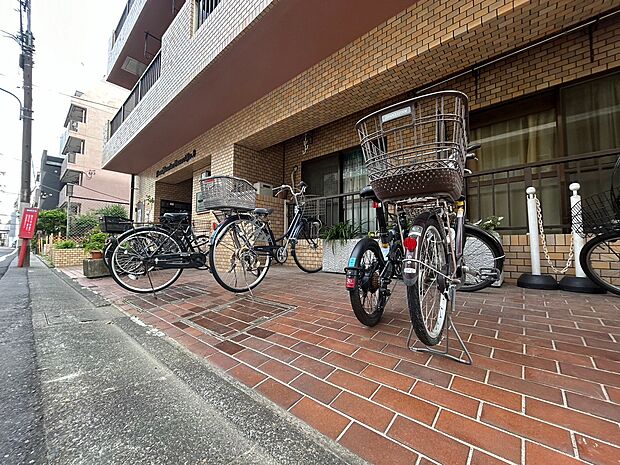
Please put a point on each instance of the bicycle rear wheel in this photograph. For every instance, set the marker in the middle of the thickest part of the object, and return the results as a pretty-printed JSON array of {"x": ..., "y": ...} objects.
[
  {"x": 481, "y": 252},
  {"x": 307, "y": 250},
  {"x": 239, "y": 257},
  {"x": 367, "y": 300},
  {"x": 133, "y": 264},
  {"x": 600, "y": 260},
  {"x": 426, "y": 298}
]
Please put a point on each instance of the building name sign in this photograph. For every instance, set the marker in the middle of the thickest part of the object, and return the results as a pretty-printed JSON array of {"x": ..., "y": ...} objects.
[{"x": 179, "y": 161}]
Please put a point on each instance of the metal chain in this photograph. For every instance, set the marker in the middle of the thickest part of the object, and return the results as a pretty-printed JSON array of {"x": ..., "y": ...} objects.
[{"x": 571, "y": 252}]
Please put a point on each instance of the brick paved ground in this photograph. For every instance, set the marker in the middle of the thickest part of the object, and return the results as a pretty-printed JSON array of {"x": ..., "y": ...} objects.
[{"x": 544, "y": 387}]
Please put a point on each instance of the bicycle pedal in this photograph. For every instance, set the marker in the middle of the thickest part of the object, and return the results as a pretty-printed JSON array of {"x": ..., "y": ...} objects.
[{"x": 490, "y": 273}]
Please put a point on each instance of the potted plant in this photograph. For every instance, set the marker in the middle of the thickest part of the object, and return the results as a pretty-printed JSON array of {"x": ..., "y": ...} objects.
[
  {"x": 95, "y": 245},
  {"x": 338, "y": 243}
]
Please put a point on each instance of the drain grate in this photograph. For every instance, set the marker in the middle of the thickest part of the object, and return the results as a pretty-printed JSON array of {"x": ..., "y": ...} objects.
[{"x": 229, "y": 319}]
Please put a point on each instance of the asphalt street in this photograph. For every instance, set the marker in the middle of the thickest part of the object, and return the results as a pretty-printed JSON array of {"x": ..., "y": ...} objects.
[
  {"x": 82, "y": 383},
  {"x": 6, "y": 255}
]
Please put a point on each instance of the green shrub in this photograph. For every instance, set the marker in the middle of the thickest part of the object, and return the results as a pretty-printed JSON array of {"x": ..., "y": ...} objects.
[
  {"x": 96, "y": 242},
  {"x": 340, "y": 232},
  {"x": 68, "y": 244}
]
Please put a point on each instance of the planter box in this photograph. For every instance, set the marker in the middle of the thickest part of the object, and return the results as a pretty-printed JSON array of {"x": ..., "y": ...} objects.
[
  {"x": 336, "y": 255},
  {"x": 95, "y": 268}
]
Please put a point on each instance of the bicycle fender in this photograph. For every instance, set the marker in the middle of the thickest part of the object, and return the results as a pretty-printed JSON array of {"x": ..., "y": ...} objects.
[
  {"x": 411, "y": 264},
  {"x": 352, "y": 271},
  {"x": 221, "y": 226}
]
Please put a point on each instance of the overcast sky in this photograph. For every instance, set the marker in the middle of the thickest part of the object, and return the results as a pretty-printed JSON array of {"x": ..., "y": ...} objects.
[{"x": 71, "y": 46}]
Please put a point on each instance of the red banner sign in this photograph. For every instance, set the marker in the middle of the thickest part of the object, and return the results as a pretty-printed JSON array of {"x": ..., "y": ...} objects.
[{"x": 29, "y": 223}]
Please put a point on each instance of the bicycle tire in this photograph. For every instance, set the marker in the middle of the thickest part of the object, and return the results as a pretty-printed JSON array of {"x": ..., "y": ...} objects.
[
  {"x": 120, "y": 269},
  {"x": 417, "y": 313},
  {"x": 367, "y": 284},
  {"x": 594, "y": 273},
  {"x": 489, "y": 251},
  {"x": 315, "y": 263},
  {"x": 217, "y": 260},
  {"x": 108, "y": 250}
]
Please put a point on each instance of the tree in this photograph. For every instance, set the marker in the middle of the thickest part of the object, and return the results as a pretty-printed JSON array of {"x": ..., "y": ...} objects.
[
  {"x": 113, "y": 210},
  {"x": 52, "y": 221}
]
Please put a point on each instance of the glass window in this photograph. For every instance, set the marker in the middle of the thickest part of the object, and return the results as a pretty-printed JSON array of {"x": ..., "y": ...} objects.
[
  {"x": 523, "y": 139},
  {"x": 592, "y": 115},
  {"x": 356, "y": 211}
]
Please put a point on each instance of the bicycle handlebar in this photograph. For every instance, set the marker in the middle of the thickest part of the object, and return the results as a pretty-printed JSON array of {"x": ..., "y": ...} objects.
[{"x": 302, "y": 190}]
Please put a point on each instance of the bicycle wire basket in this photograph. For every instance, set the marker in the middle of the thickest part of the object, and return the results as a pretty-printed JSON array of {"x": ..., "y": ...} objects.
[
  {"x": 600, "y": 213},
  {"x": 227, "y": 193},
  {"x": 114, "y": 224},
  {"x": 416, "y": 148}
]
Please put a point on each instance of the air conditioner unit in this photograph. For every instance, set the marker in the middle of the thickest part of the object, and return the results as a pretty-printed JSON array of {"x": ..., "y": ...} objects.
[
  {"x": 205, "y": 175},
  {"x": 262, "y": 188}
]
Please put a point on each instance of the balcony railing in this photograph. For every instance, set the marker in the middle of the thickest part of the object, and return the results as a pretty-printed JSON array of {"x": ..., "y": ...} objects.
[
  {"x": 333, "y": 209},
  {"x": 203, "y": 9},
  {"x": 501, "y": 192},
  {"x": 121, "y": 21},
  {"x": 144, "y": 84},
  {"x": 69, "y": 173}
]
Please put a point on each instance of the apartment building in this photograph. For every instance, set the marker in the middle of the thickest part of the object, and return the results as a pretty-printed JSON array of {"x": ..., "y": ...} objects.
[
  {"x": 85, "y": 184},
  {"x": 266, "y": 89},
  {"x": 49, "y": 185}
]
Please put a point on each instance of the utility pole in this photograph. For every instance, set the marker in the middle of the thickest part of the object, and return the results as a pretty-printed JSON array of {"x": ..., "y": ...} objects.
[{"x": 26, "y": 42}]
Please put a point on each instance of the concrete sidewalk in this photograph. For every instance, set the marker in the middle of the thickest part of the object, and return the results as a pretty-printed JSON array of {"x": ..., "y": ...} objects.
[{"x": 110, "y": 390}]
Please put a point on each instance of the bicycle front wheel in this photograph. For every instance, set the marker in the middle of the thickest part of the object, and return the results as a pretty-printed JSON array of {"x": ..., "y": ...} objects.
[
  {"x": 134, "y": 266},
  {"x": 600, "y": 260},
  {"x": 481, "y": 254},
  {"x": 240, "y": 256},
  {"x": 108, "y": 250},
  {"x": 426, "y": 297},
  {"x": 307, "y": 251}
]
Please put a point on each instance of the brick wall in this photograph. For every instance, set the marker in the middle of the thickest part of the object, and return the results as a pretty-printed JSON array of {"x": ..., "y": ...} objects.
[
  {"x": 402, "y": 54},
  {"x": 61, "y": 258}
]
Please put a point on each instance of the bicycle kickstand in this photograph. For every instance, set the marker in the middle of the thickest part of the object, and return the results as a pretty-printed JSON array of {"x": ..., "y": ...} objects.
[{"x": 448, "y": 325}]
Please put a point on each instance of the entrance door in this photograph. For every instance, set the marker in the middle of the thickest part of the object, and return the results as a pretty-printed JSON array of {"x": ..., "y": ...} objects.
[{"x": 168, "y": 206}]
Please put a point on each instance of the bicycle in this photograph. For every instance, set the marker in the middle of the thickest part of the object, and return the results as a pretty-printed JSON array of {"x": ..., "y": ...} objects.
[
  {"x": 415, "y": 153},
  {"x": 600, "y": 256},
  {"x": 113, "y": 226},
  {"x": 243, "y": 246},
  {"x": 370, "y": 270},
  {"x": 151, "y": 258}
]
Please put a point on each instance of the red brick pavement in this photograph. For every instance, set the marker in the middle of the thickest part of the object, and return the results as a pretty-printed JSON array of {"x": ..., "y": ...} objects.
[{"x": 544, "y": 387}]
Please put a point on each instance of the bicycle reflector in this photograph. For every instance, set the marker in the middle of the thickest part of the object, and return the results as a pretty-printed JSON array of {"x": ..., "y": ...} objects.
[{"x": 410, "y": 243}]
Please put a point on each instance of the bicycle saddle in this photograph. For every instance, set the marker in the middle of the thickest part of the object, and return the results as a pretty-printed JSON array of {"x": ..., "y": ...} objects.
[
  {"x": 263, "y": 211},
  {"x": 368, "y": 193},
  {"x": 175, "y": 217}
]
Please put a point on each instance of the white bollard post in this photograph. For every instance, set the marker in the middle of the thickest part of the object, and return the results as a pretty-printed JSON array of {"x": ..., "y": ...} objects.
[
  {"x": 577, "y": 225},
  {"x": 532, "y": 223},
  {"x": 579, "y": 282},
  {"x": 535, "y": 280}
]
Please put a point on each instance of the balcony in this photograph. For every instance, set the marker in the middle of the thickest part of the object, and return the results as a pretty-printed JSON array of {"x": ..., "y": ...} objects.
[
  {"x": 69, "y": 142},
  {"x": 148, "y": 79},
  {"x": 237, "y": 52},
  {"x": 137, "y": 38},
  {"x": 69, "y": 172}
]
